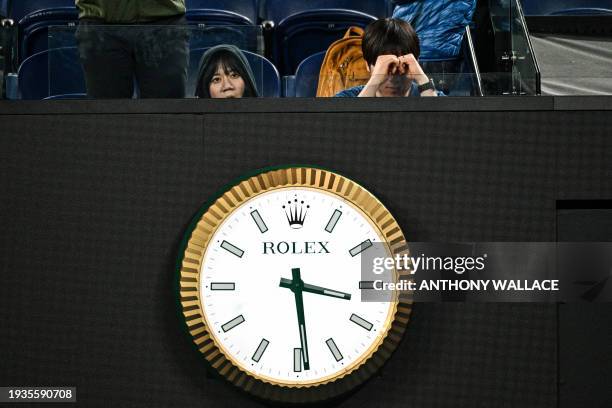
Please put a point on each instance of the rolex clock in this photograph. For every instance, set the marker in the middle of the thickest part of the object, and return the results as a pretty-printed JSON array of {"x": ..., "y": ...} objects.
[{"x": 270, "y": 284}]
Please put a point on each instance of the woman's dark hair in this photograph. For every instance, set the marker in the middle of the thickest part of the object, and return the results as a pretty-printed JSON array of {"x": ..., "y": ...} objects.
[
  {"x": 230, "y": 63},
  {"x": 389, "y": 36}
]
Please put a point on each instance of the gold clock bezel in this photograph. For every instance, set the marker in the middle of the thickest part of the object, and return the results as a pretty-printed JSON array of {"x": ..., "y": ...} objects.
[{"x": 194, "y": 251}]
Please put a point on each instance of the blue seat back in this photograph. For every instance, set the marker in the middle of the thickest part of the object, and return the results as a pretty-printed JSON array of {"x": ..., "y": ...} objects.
[
  {"x": 216, "y": 18},
  {"x": 301, "y": 35},
  {"x": 69, "y": 96},
  {"x": 245, "y": 37},
  {"x": 266, "y": 75},
  {"x": 51, "y": 72},
  {"x": 307, "y": 76},
  {"x": 4, "y": 11},
  {"x": 233, "y": 10},
  {"x": 22, "y": 8},
  {"x": 34, "y": 17},
  {"x": 224, "y": 22},
  {"x": 34, "y": 30},
  {"x": 567, "y": 7},
  {"x": 303, "y": 28},
  {"x": 278, "y": 10}
]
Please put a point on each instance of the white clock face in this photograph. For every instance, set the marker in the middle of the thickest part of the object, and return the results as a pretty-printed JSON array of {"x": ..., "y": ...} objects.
[{"x": 280, "y": 286}]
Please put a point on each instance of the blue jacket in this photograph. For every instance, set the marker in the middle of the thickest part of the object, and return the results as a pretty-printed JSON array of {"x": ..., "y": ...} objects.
[{"x": 440, "y": 24}]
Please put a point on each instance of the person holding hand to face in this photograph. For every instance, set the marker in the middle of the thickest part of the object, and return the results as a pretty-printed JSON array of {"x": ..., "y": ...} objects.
[{"x": 391, "y": 49}]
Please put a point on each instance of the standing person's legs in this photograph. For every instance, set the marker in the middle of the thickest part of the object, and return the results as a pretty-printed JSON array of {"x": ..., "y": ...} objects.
[
  {"x": 162, "y": 59},
  {"x": 107, "y": 60}
]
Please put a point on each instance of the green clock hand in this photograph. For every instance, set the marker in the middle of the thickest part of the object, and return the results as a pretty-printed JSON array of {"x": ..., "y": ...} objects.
[
  {"x": 317, "y": 290},
  {"x": 297, "y": 288}
]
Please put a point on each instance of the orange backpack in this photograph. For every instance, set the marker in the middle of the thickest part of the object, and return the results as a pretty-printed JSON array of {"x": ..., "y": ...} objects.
[{"x": 343, "y": 66}]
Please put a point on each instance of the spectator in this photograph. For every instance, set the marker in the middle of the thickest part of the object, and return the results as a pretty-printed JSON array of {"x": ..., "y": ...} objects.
[
  {"x": 224, "y": 72},
  {"x": 391, "y": 49},
  {"x": 153, "y": 52}
]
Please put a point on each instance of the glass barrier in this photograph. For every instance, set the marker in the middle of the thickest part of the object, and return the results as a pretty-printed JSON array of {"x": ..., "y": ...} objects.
[
  {"x": 554, "y": 58},
  {"x": 442, "y": 84},
  {"x": 162, "y": 61},
  {"x": 154, "y": 60},
  {"x": 85, "y": 57},
  {"x": 525, "y": 70},
  {"x": 4, "y": 44},
  {"x": 513, "y": 50}
]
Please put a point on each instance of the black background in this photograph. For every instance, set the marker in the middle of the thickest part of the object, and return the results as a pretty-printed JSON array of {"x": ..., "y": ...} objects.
[{"x": 94, "y": 200}]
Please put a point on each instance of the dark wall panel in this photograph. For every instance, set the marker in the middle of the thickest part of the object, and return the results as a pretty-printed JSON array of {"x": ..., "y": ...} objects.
[
  {"x": 93, "y": 208},
  {"x": 585, "y": 330}
]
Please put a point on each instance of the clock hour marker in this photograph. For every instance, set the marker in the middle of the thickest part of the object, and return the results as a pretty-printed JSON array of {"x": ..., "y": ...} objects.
[
  {"x": 222, "y": 286},
  {"x": 334, "y": 349},
  {"x": 359, "y": 248},
  {"x": 333, "y": 221},
  {"x": 233, "y": 249},
  {"x": 232, "y": 323},
  {"x": 259, "y": 221},
  {"x": 297, "y": 360},
  {"x": 366, "y": 284},
  {"x": 260, "y": 350},
  {"x": 360, "y": 321}
]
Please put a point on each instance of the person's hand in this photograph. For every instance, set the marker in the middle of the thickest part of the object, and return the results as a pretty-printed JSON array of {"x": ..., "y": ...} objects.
[
  {"x": 410, "y": 67},
  {"x": 391, "y": 65},
  {"x": 385, "y": 65}
]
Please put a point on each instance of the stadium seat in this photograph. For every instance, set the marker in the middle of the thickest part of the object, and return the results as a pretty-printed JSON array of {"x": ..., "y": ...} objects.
[
  {"x": 266, "y": 74},
  {"x": 51, "y": 72},
  {"x": 224, "y": 22},
  {"x": 35, "y": 16},
  {"x": 34, "y": 30},
  {"x": 245, "y": 37},
  {"x": 567, "y": 7},
  {"x": 278, "y": 10},
  {"x": 22, "y": 8},
  {"x": 307, "y": 76},
  {"x": 222, "y": 12},
  {"x": 4, "y": 12},
  {"x": 68, "y": 96},
  {"x": 301, "y": 29}
]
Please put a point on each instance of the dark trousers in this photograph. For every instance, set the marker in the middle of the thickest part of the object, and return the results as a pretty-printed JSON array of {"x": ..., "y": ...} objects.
[{"x": 153, "y": 56}]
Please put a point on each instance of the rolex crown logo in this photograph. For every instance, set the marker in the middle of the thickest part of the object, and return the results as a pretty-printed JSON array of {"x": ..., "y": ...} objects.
[{"x": 296, "y": 212}]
